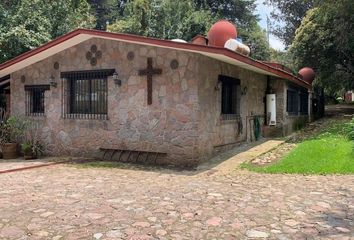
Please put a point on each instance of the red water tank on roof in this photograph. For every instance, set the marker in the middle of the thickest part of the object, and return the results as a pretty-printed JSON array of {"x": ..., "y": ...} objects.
[
  {"x": 220, "y": 32},
  {"x": 308, "y": 74}
]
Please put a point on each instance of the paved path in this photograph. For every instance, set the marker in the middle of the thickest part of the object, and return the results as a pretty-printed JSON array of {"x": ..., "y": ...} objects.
[
  {"x": 340, "y": 109},
  {"x": 228, "y": 162},
  {"x": 66, "y": 202}
]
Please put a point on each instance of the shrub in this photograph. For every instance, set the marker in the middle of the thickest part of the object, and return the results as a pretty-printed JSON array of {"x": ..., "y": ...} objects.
[
  {"x": 32, "y": 142},
  {"x": 12, "y": 129},
  {"x": 350, "y": 130}
]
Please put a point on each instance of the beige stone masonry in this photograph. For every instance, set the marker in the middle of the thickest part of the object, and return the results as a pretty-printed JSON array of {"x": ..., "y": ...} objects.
[{"x": 184, "y": 118}]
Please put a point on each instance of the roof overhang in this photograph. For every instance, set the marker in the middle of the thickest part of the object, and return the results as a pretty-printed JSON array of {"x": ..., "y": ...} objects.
[
  {"x": 80, "y": 35},
  {"x": 39, "y": 54}
]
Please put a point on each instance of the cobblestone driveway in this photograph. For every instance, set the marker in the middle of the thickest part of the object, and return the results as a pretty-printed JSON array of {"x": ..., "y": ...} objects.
[{"x": 65, "y": 202}]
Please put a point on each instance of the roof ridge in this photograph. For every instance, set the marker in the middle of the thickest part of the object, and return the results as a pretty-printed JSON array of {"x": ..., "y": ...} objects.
[{"x": 157, "y": 42}]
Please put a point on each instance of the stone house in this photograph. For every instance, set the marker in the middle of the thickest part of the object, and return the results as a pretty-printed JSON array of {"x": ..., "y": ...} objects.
[{"x": 177, "y": 103}]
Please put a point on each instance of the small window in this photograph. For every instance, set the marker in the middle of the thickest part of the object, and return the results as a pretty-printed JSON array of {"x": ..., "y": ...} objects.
[
  {"x": 297, "y": 101},
  {"x": 230, "y": 102},
  {"x": 35, "y": 99},
  {"x": 86, "y": 94},
  {"x": 304, "y": 103},
  {"x": 292, "y": 104}
]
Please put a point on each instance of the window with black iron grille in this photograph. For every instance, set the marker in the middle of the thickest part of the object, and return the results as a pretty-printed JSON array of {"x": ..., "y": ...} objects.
[
  {"x": 230, "y": 101},
  {"x": 85, "y": 94},
  {"x": 34, "y": 97},
  {"x": 304, "y": 103},
  {"x": 292, "y": 103}
]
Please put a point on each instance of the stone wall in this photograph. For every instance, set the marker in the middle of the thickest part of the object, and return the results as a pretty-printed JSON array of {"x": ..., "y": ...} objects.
[
  {"x": 291, "y": 122},
  {"x": 183, "y": 121},
  {"x": 169, "y": 125},
  {"x": 215, "y": 134},
  {"x": 286, "y": 123}
]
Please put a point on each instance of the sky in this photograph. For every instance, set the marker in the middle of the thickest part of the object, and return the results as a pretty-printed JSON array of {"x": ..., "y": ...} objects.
[{"x": 264, "y": 10}]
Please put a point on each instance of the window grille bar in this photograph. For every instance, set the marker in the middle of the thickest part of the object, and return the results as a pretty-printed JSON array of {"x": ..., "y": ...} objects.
[
  {"x": 80, "y": 108},
  {"x": 105, "y": 93},
  {"x": 230, "y": 117},
  {"x": 62, "y": 98},
  {"x": 26, "y": 103},
  {"x": 68, "y": 97},
  {"x": 31, "y": 103},
  {"x": 297, "y": 102},
  {"x": 35, "y": 100},
  {"x": 230, "y": 101},
  {"x": 97, "y": 85},
  {"x": 85, "y": 95}
]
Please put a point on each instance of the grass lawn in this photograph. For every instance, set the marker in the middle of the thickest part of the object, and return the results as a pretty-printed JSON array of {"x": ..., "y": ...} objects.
[
  {"x": 114, "y": 164},
  {"x": 103, "y": 164},
  {"x": 329, "y": 152}
]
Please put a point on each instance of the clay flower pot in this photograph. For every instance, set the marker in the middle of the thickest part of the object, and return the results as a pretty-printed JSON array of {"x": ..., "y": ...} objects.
[
  {"x": 28, "y": 155},
  {"x": 9, "y": 150}
]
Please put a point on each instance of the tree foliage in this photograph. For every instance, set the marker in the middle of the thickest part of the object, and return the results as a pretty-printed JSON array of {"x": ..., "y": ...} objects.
[
  {"x": 325, "y": 42},
  {"x": 283, "y": 57},
  {"x": 66, "y": 15},
  {"x": 256, "y": 39},
  {"x": 26, "y": 24},
  {"x": 288, "y": 14},
  {"x": 23, "y": 29},
  {"x": 240, "y": 12},
  {"x": 107, "y": 11},
  {"x": 167, "y": 19}
]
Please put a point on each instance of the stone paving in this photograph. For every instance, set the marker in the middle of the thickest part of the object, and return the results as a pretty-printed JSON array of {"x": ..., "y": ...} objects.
[{"x": 71, "y": 202}]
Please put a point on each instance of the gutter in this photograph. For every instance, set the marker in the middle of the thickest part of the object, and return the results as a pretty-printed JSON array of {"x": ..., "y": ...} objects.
[{"x": 159, "y": 43}]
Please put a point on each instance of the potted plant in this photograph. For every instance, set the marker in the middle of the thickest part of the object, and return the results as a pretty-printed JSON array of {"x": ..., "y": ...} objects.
[
  {"x": 32, "y": 150},
  {"x": 32, "y": 147},
  {"x": 11, "y": 130},
  {"x": 27, "y": 150}
]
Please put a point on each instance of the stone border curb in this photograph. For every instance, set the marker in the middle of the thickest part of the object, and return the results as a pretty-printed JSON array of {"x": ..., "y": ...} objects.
[{"x": 32, "y": 167}]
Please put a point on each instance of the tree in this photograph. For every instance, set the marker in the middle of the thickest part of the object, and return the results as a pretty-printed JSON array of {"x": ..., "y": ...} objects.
[
  {"x": 283, "y": 57},
  {"x": 107, "y": 11},
  {"x": 256, "y": 39},
  {"x": 167, "y": 19},
  {"x": 26, "y": 24},
  {"x": 67, "y": 15},
  {"x": 135, "y": 19},
  {"x": 325, "y": 42},
  {"x": 26, "y": 29},
  {"x": 2, "y": 19},
  {"x": 241, "y": 12},
  {"x": 288, "y": 14}
]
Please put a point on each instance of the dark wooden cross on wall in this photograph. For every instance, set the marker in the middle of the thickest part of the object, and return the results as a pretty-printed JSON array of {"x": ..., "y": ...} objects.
[{"x": 150, "y": 72}]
